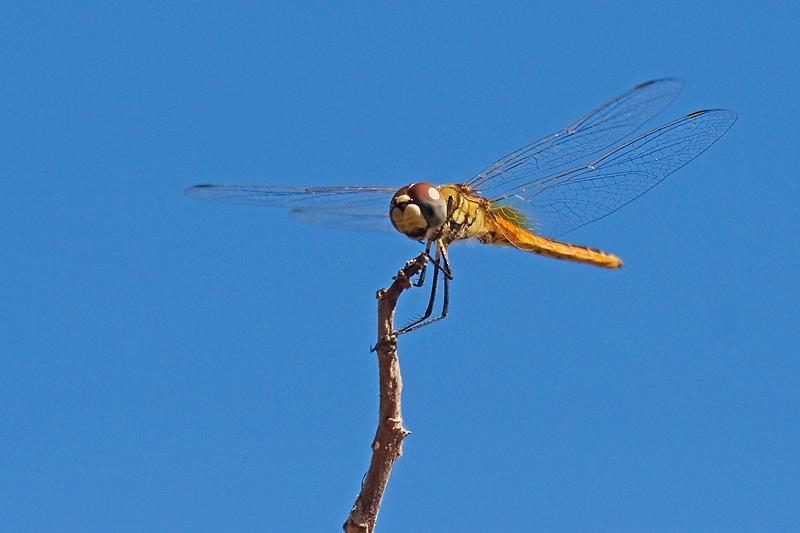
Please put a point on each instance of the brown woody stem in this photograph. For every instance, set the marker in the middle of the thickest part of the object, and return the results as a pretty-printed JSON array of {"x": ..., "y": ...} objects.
[{"x": 387, "y": 446}]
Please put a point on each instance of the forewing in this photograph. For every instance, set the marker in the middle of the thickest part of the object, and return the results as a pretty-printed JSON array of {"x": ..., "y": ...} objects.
[
  {"x": 561, "y": 202},
  {"x": 347, "y": 207},
  {"x": 609, "y": 123},
  {"x": 346, "y": 219}
]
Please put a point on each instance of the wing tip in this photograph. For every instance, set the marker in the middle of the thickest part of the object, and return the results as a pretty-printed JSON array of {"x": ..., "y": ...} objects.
[
  {"x": 196, "y": 190},
  {"x": 679, "y": 83},
  {"x": 719, "y": 110},
  {"x": 729, "y": 116}
]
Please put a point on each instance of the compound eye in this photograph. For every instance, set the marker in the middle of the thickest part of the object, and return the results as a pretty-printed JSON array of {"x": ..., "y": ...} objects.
[{"x": 430, "y": 201}]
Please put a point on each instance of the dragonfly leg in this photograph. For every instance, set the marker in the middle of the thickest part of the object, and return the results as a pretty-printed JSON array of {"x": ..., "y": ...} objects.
[
  {"x": 421, "y": 279},
  {"x": 448, "y": 275},
  {"x": 425, "y": 320},
  {"x": 431, "y": 301},
  {"x": 437, "y": 262}
]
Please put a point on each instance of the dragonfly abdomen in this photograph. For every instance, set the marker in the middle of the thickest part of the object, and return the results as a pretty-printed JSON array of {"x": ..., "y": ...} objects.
[{"x": 503, "y": 232}]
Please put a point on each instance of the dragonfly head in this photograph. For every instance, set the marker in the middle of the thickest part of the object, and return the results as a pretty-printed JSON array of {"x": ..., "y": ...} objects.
[{"x": 418, "y": 210}]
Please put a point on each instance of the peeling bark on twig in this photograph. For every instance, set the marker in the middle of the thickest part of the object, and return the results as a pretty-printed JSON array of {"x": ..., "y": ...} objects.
[{"x": 388, "y": 443}]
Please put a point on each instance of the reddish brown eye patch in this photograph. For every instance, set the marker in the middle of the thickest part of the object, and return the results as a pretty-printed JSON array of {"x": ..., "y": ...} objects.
[{"x": 424, "y": 192}]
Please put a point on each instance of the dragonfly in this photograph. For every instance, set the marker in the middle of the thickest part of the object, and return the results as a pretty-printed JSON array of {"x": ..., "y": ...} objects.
[{"x": 528, "y": 199}]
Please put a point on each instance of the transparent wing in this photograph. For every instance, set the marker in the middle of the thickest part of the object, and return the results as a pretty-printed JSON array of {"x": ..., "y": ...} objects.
[
  {"x": 563, "y": 201},
  {"x": 346, "y": 219},
  {"x": 348, "y": 207},
  {"x": 609, "y": 123}
]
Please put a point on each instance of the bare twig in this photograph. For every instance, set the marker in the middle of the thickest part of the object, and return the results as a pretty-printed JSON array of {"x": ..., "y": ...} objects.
[{"x": 388, "y": 443}]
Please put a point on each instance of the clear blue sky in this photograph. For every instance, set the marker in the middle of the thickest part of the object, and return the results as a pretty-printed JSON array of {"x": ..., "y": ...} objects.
[{"x": 173, "y": 365}]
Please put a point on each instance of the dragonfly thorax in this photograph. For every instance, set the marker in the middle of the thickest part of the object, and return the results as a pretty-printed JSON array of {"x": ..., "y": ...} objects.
[{"x": 418, "y": 210}]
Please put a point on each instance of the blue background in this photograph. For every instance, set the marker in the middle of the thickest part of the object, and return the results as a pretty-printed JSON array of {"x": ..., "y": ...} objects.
[{"x": 173, "y": 365}]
